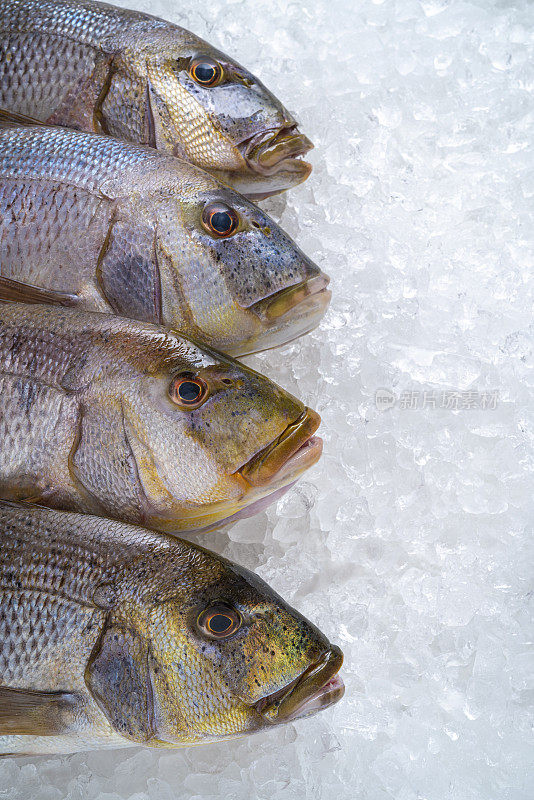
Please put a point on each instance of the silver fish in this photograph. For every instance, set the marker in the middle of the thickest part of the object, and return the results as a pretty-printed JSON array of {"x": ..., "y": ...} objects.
[
  {"x": 111, "y": 226},
  {"x": 104, "y": 415},
  {"x": 112, "y": 635},
  {"x": 96, "y": 67}
]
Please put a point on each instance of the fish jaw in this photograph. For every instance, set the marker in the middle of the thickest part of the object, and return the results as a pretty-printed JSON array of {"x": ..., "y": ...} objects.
[
  {"x": 268, "y": 152},
  {"x": 274, "y": 161},
  {"x": 257, "y": 185},
  {"x": 260, "y": 482},
  {"x": 289, "y": 314},
  {"x": 276, "y": 156},
  {"x": 253, "y": 500},
  {"x": 251, "y": 510},
  {"x": 317, "y": 688},
  {"x": 294, "y": 450}
]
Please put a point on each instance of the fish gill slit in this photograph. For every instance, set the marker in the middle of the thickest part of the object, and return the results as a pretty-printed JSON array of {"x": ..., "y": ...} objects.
[
  {"x": 150, "y": 125},
  {"x": 177, "y": 285},
  {"x": 143, "y": 504},
  {"x": 100, "y": 260},
  {"x": 85, "y": 494},
  {"x": 158, "y": 302},
  {"x": 150, "y": 694},
  {"x": 99, "y": 120}
]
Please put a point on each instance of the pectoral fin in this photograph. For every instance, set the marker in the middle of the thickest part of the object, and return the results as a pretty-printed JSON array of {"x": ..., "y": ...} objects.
[
  {"x": 24, "y": 712},
  {"x": 117, "y": 675},
  {"x": 10, "y": 119},
  {"x": 13, "y": 291}
]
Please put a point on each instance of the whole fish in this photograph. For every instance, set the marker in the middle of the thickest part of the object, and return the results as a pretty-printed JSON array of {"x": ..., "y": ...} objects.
[
  {"x": 107, "y": 226},
  {"x": 96, "y": 67},
  {"x": 112, "y": 635},
  {"x": 104, "y": 415}
]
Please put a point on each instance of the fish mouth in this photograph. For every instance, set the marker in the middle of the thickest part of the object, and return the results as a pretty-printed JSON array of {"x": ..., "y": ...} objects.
[
  {"x": 317, "y": 688},
  {"x": 274, "y": 150},
  {"x": 308, "y": 297},
  {"x": 287, "y": 315},
  {"x": 295, "y": 450}
]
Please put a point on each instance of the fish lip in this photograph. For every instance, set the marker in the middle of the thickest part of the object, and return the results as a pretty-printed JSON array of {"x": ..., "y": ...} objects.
[
  {"x": 275, "y": 149},
  {"x": 294, "y": 450},
  {"x": 288, "y": 314},
  {"x": 318, "y": 687},
  {"x": 309, "y": 296}
]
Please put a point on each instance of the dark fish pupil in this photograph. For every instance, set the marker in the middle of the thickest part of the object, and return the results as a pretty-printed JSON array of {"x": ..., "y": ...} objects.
[
  {"x": 205, "y": 73},
  {"x": 189, "y": 391},
  {"x": 219, "y": 623},
  {"x": 221, "y": 221}
]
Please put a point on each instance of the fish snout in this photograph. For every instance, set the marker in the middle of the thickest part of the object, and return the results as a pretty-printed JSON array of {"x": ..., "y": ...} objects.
[
  {"x": 294, "y": 451},
  {"x": 280, "y": 148},
  {"x": 312, "y": 296},
  {"x": 318, "y": 687}
]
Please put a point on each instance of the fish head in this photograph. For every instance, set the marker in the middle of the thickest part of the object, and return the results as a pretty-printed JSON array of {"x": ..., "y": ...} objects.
[
  {"x": 246, "y": 286},
  {"x": 212, "y": 440},
  {"x": 206, "y": 108},
  {"x": 229, "y": 656}
]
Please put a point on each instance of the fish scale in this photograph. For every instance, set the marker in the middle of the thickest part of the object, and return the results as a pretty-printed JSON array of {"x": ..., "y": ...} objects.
[
  {"x": 52, "y": 595},
  {"x": 49, "y": 622},
  {"x": 63, "y": 156},
  {"x": 45, "y": 419},
  {"x": 52, "y": 622},
  {"x": 88, "y": 22},
  {"x": 45, "y": 58}
]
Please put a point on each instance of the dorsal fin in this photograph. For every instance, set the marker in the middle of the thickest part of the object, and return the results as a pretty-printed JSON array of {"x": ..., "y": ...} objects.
[{"x": 9, "y": 119}]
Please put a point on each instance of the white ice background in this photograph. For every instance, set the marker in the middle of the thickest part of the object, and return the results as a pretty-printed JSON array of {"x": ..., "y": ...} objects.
[{"x": 410, "y": 543}]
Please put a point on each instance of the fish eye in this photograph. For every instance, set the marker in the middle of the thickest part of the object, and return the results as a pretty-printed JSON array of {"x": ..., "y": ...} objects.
[
  {"x": 188, "y": 391},
  {"x": 205, "y": 71},
  {"x": 219, "y": 620},
  {"x": 220, "y": 219}
]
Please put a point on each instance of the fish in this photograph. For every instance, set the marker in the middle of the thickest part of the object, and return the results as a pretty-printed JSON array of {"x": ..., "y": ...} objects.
[
  {"x": 95, "y": 67},
  {"x": 103, "y": 225},
  {"x": 112, "y": 635},
  {"x": 104, "y": 415}
]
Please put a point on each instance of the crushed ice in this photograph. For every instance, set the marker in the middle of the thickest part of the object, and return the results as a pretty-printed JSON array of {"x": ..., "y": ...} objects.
[{"x": 409, "y": 544}]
